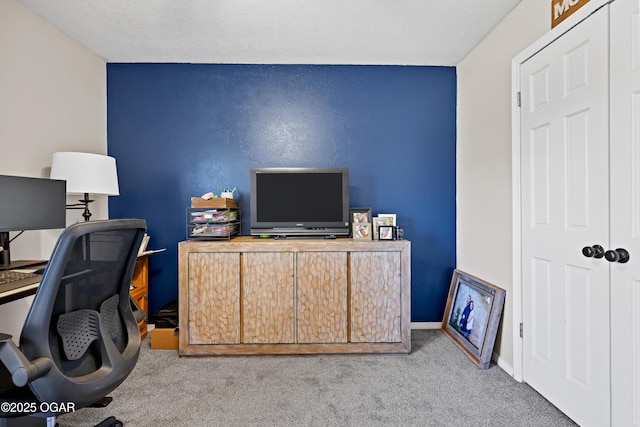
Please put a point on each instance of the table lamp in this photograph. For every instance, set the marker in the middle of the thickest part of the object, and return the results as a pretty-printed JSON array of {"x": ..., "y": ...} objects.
[{"x": 86, "y": 173}]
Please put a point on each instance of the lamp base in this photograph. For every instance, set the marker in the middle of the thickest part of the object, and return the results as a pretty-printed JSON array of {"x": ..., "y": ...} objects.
[
  {"x": 5, "y": 253},
  {"x": 84, "y": 204},
  {"x": 86, "y": 214}
]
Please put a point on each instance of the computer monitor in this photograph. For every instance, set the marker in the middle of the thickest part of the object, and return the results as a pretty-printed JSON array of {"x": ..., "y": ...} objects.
[{"x": 29, "y": 204}]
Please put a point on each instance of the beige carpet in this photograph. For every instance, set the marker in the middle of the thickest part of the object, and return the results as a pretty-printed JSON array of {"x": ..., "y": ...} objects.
[{"x": 435, "y": 385}]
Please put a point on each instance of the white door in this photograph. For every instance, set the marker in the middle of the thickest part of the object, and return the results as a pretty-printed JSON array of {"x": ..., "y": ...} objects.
[
  {"x": 565, "y": 207},
  {"x": 625, "y": 212}
]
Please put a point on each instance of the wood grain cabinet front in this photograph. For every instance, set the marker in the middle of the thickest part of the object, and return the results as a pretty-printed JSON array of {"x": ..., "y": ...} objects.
[
  {"x": 268, "y": 298},
  {"x": 376, "y": 292},
  {"x": 214, "y": 298},
  {"x": 250, "y": 296},
  {"x": 321, "y": 303}
]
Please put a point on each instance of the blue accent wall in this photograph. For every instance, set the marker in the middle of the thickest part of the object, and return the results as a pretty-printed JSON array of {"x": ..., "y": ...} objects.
[{"x": 181, "y": 130}]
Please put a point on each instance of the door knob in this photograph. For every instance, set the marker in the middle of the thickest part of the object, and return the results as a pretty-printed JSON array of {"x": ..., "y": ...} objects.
[
  {"x": 595, "y": 251},
  {"x": 619, "y": 255}
]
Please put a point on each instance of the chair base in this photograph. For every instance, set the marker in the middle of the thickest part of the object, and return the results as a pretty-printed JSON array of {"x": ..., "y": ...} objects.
[
  {"x": 110, "y": 422},
  {"x": 29, "y": 421},
  {"x": 34, "y": 421},
  {"x": 102, "y": 403}
]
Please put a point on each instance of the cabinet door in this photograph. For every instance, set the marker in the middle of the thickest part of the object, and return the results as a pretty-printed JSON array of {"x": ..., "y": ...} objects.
[
  {"x": 268, "y": 297},
  {"x": 376, "y": 306},
  {"x": 214, "y": 298},
  {"x": 321, "y": 297}
]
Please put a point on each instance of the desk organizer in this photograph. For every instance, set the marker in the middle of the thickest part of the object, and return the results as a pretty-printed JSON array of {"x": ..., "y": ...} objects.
[
  {"x": 216, "y": 202},
  {"x": 213, "y": 224}
]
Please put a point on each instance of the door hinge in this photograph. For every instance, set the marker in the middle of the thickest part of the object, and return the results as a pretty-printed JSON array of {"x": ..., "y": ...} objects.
[
  {"x": 519, "y": 99},
  {"x": 520, "y": 329}
]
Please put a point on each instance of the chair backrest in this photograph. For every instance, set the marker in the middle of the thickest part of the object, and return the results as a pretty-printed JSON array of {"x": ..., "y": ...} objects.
[{"x": 81, "y": 316}]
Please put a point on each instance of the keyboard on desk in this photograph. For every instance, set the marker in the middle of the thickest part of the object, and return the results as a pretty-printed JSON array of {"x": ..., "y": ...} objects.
[
  {"x": 9, "y": 276},
  {"x": 15, "y": 282}
]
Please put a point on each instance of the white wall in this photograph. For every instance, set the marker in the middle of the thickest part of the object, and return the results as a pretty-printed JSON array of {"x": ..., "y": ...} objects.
[
  {"x": 484, "y": 201},
  {"x": 52, "y": 98}
]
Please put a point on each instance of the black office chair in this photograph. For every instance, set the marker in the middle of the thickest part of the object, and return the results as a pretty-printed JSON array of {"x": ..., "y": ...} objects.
[{"x": 81, "y": 338}]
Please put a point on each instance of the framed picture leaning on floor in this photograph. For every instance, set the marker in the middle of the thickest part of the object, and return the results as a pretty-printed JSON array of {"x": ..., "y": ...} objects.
[{"x": 472, "y": 316}]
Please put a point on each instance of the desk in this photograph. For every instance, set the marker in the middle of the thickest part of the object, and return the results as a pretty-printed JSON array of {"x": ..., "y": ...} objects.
[
  {"x": 30, "y": 264},
  {"x": 139, "y": 289},
  {"x": 11, "y": 292}
]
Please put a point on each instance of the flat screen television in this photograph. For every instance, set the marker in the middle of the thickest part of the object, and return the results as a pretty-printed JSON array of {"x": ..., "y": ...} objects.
[{"x": 299, "y": 202}]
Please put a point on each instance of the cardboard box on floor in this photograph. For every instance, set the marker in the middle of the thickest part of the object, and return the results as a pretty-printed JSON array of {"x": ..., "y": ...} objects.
[{"x": 164, "y": 338}]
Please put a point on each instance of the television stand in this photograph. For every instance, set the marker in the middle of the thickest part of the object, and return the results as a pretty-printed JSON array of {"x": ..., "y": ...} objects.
[{"x": 294, "y": 296}]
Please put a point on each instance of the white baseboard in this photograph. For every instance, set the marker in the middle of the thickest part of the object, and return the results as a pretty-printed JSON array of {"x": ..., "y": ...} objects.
[
  {"x": 426, "y": 325},
  {"x": 503, "y": 365}
]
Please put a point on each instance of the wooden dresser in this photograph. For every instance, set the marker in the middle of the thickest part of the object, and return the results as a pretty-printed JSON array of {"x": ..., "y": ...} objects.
[
  {"x": 294, "y": 296},
  {"x": 140, "y": 290}
]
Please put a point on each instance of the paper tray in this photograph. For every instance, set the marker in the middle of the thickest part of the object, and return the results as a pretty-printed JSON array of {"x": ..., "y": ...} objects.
[{"x": 216, "y": 202}]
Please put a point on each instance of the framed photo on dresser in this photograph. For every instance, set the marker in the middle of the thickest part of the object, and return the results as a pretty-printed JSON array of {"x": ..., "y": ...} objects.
[{"x": 359, "y": 216}]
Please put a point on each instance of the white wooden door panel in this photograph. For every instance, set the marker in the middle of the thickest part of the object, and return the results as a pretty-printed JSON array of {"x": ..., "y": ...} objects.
[
  {"x": 625, "y": 211},
  {"x": 564, "y": 169},
  {"x": 541, "y": 323},
  {"x": 581, "y": 323}
]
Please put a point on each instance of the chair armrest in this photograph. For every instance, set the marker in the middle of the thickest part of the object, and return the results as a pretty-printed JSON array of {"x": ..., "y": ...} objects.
[
  {"x": 22, "y": 370},
  {"x": 138, "y": 313}
]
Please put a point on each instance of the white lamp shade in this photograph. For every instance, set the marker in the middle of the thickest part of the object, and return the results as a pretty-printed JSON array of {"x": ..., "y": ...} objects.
[{"x": 86, "y": 172}]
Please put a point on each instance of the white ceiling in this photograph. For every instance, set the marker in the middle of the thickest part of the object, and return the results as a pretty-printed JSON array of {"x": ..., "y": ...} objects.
[{"x": 401, "y": 32}]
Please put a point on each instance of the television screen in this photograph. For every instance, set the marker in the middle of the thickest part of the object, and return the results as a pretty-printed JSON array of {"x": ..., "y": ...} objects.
[{"x": 299, "y": 201}]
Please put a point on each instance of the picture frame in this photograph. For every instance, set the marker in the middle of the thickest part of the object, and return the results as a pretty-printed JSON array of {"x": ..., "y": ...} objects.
[
  {"x": 388, "y": 219},
  {"x": 386, "y": 232},
  {"x": 377, "y": 222},
  {"x": 359, "y": 216},
  {"x": 473, "y": 301},
  {"x": 362, "y": 231}
]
